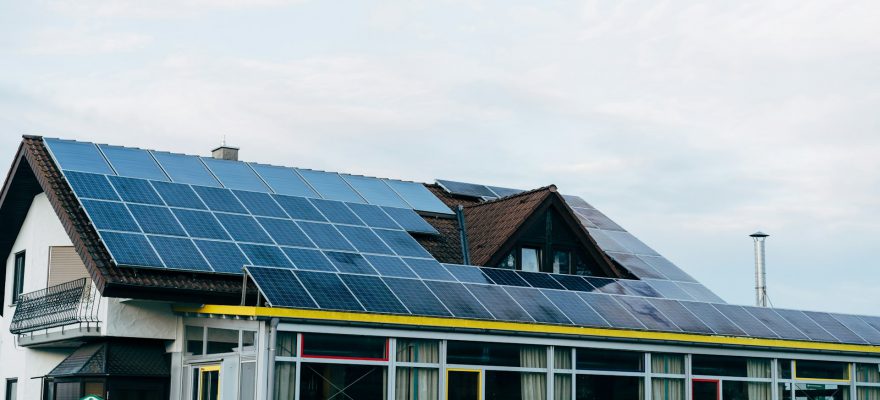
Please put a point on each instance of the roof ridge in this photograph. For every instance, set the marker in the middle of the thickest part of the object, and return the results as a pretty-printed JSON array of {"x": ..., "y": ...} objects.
[{"x": 551, "y": 187}]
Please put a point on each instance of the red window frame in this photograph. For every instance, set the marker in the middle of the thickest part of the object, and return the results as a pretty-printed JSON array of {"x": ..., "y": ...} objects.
[
  {"x": 302, "y": 352},
  {"x": 715, "y": 381}
]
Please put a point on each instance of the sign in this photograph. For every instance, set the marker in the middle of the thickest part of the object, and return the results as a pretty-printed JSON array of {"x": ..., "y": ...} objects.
[{"x": 92, "y": 397}]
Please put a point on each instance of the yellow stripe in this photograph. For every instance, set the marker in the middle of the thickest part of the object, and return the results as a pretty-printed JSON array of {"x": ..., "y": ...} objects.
[{"x": 409, "y": 320}]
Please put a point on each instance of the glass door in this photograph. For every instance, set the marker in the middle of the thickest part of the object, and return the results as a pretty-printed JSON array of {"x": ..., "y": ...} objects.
[
  {"x": 463, "y": 384},
  {"x": 706, "y": 389},
  {"x": 206, "y": 382}
]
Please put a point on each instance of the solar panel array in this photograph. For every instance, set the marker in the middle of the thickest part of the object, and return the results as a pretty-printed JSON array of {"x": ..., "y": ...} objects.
[
  {"x": 634, "y": 255},
  {"x": 462, "y": 291},
  {"x": 205, "y": 171}
]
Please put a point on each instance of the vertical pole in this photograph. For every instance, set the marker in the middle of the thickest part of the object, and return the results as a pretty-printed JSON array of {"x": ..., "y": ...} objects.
[{"x": 760, "y": 270}]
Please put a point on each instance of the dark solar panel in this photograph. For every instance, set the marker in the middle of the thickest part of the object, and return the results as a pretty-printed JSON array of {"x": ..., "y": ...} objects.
[
  {"x": 680, "y": 316},
  {"x": 504, "y": 192},
  {"x": 375, "y": 191},
  {"x": 265, "y": 256},
  {"x": 417, "y": 297},
  {"x": 638, "y": 288},
  {"x": 223, "y": 256},
  {"x": 458, "y": 300},
  {"x": 466, "y": 189},
  {"x": 402, "y": 243},
  {"x": 110, "y": 215},
  {"x": 219, "y": 199},
  {"x": 628, "y": 241},
  {"x": 637, "y": 266},
  {"x": 373, "y": 294},
  {"x": 91, "y": 186},
  {"x": 606, "y": 285},
  {"x": 325, "y": 236},
  {"x": 243, "y": 228},
  {"x": 538, "y": 306},
  {"x": 135, "y": 190},
  {"x": 235, "y": 174},
  {"x": 540, "y": 280},
  {"x": 330, "y": 185},
  {"x": 499, "y": 303},
  {"x": 281, "y": 288},
  {"x": 599, "y": 219},
  {"x": 860, "y": 327},
  {"x": 328, "y": 291},
  {"x": 285, "y": 232},
  {"x": 700, "y": 292},
  {"x": 746, "y": 321},
  {"x": 136, "y": 163},
  {"x": 364, "y": 240},
  {"x": 185, "y": 169},
  {"x": 667, "y": 268},
  {"x": 505, "y": 277},
  {"x": 350, "y": 262},
  {"x": 574, "y": 308},
  {"x": 283, "y": 180},
  {"x": 647, "y": 314},
  {"x": 605, "y": 242},
  {"x": 390, "y": 266},
  {"x": 574, "y": 282},
  {"x": 179, "y": 253},
  {"x": 409, "y": 220},
  {"x": 583, "y": 219},
  {"x": 468, "y": 274},
  {"x": 776, "y": 323},
  {"x": 200, "y": 224},
  {"x": 131, "y": 249},
  {"x": 158, "y": 220},
  {"x": 373, "y": 216},
  {"x": 714, "y": 318},
  {"x": 77, "y": 156},
  {"x": 337, "y": 212},
  {"x": 418, "y": 196},
  {"x": 178, "y": 195},
  {"x": 312, "y": 260},
  {"x": 429, "y": 269},
  {"x": 260, "y": 204},
  {"x": 575, "y": 201},
  {"x": 834, "y": 327},
  {"x": 669, "y": 289},
  {"x": 807, "y": 325}
]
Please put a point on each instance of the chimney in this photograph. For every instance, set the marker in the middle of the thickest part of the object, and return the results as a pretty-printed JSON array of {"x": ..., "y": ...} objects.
[
  {"x": 760, "y": 269},
  {"x": 225, "y": 152}
]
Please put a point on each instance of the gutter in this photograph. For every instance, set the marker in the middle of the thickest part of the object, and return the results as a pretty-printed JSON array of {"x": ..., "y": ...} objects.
[
  {"x": 270, "y": 371},
  {"x": 462, "y": 232}
]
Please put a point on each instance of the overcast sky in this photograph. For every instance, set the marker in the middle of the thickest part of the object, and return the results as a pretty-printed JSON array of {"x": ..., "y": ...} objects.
[{"x": 692, "y": 124}]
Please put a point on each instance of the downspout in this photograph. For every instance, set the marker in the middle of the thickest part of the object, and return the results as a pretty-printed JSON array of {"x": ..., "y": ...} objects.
[
  {"x": 273, "y": 340},
  {"x": 462, "y": 231}
]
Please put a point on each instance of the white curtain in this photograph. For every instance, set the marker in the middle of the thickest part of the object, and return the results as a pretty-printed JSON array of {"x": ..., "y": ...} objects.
[
  {"x": 285, "y": 380},
  {"x": 533, "y": 385},
  {"x": 418, "y": 351},
  {"x": 868, "y": 393},
  {"x": 562, "y": 387},
  {"x": 562, "y": 357},
  {"x": 417, "y": 384},
  {"x": 667, "y": 389},
  {"x": 758, "y": 368}
]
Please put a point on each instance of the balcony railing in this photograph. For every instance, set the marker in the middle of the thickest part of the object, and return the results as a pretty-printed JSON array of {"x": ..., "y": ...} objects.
[{"x": 70, "y": 303}]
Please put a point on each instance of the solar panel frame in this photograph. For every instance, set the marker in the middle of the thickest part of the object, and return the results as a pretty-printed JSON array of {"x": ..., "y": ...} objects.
[
  {"x": 600, "y": 220},
  {"x": 373, "y": 216},
  {"x": 374, "y": 191},
  {"x": 579, "y": 312},
  {"x": 418, "y": 197},
  {"x": 402, "y": 243},
  {"x": 667, "y": 268},
  {"x": 605, "y": 285},
  {"x": 200, "y": 224},
  {"x": 669, "y": 289},
  {"x": 325, "y": 236},
  {"x": 133, "y": 162},
  {"x": 679, "y": 315},
  {"x": 859, "y": 327},
  {"x": 330, "y": 185},
  {"x": 178, "y": 195},
  {"x": 605, "y": 242},
  {"x": 299, "y": 208},
  {"x": 468, "y": 274},
  {"x": 218, "y": 199},
  {"x": 410, "y": 221},
  {"x": 182, "y": 168},
  {"x": 283, "y": 180},
  {"x": 224, "y": 257},
  {"x": 308, "y": 259},
  {"x": 350, "y": 262},
  {"x": 835, "y": 328},
  {"x": 364, "y": 240},
  {"x": 631, "y": 243},
  {"x": 179, "y": 253},
  {"x": 156, "y": 220},
  {"x": 611, "y": 311},
  {"x": 636, "y": 265},
  {"x": 373, "y": 294},
  {"x": 505, "y": 276},
  {"x": 466, "y": 189},
  {"x": 540, "y": 280},
  {"x": 499, "y": 303},
  {"x": 91, "y": 186},
  {"x": 336, "y": 212},
  {"x": 647, "y": 314},
  {"x": 419, "y": 299},
  {"x": 700, "y": 292},
  {"x": 110, "y": 215},
  {"x": 260, "y": 204},
  {"x": 713, "y": 318},
  {"x": 638, "y": 288},
  {"x": 390, "y": 266},
  {"x": 134, "y": 190},
  {"x": 537, "y": 305},
  {"x": 130, "y": 250},
  {"x": 429, "y": 269},
  {"x": 265, "y": 255},
  {"x": 458, "y": 300},
  {"x": 806, "y": 325},
  {"x": 281, "y": 287},
  {"x": 776, "y": 323},
  {"x": 328, "y": 291},
  {"x": 243, "y": 228},
  {"x": 285, "y": 232},
  {"x": 235, "y": 175},
  {"x": 574, "y": 282},
  {"x": 71, "y": 155},
  {"x": 751, "y": 325}
]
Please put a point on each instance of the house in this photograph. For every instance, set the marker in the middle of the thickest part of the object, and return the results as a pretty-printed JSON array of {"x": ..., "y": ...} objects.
[{"x": 142, "y": 274}]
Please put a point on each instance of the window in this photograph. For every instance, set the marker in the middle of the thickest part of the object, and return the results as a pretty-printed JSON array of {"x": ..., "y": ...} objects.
[
  {"x": 668, "y": 388},
  {"x": 730, "y": 366},
  {"x": 344, "y": 346},
  {"x": 508, "y": 262},
  {"x": 221, "y": 340},
  {"x": 418, "y": 351},
  {"x": 342, "y": 381},
  {"x": 592, "y": 387},
  {"x": 195, "y": 340},
  {"x": 18, "y": 277},
  {"x": 561, "y": 262},
  {"x": 500, "y": 354},
  {"x": 11, "y": 389},
  {"x": 531, "y": 259},
  {"x": 610, "y": 360},
  {"x": 805, "y": 369}
]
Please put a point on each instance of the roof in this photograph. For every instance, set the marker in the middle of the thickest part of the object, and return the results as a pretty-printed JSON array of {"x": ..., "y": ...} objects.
[{"x": 117, "y": 358}]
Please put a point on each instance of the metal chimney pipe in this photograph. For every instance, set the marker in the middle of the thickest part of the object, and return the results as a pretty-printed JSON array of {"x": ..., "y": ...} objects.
[{"x": 760, "y": 269}]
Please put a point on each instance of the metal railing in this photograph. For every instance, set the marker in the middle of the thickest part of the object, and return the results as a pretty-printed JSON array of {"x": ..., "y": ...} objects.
[{"x": 71, "y": 303}]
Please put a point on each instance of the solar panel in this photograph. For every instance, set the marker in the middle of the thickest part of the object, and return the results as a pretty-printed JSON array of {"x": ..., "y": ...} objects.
[
  {"x": 350, "y": 262},
  {"x": 178, "y": 195},
  {"x": 375, "y": 191},
  {"x": 220, "y": 199},
  {"x": 860, "y": 327},
  {"x": 330, "y": 185},
  {"x": 505, "y": 277},
  {"x": 136, "y": 163},
  {"x": 157, "y": 220},
  {"x": 458, "y": 300},
  {"x": 714, "y": 318},
  {"x": 806, "y": 325},
  {"x": 600, "y": 220},
  {"x": 90, "y": 186},
  {"x": 281, "y": 288},
  {"x": 429, "y": 269},
  {"x": 185, "y": 169},
  {"x": 537, "y": 305},
  {"x": 364, "y": 240},
  {"x": 776, "y": 323},
  {"x": 243, "y": 228},
  {"x": 285, "y": 232},
  {"x": 235, "y": 174},
  {"x": 468, "y": 274},
  {"x": 636, "y": 265},
  {"x": 417, "y": 297},
  {"x": 746, "y": 321},
  {"x": 328, "y": 291},
  {"x": 631, "y": 243},
  {"x": 283, "y": 180},
  {"x": 135, "y": 190},
  {"x": 260, "y": 204},
  {"x": 224, "y": 257},
  {"x": 611, "y": 310},
  {"x": 299, "y": 208},
  {"x": 700, "y": 292},
  {"x": 466, "y": 189},
  {"x": 574, "y": 308},
  {"x": 402, "y": 243},
  {"x": 667, "y": 268},
  {"x": 200, "y": 224},
  {"x": 265, "y": 256},
  {"x": 503, "y": 192},
  {"x": 110, "y": 215},
  {"x": 669, "y": 289},
  {"x": 499, "y": 303},
  {"x": 647, "y": 314},
  {"x": 390, "y": 266},
  {"x": 575, "y": 201},
  {"x": 325, "y": 236},
  {"x": 373, "y": 216},
  {"x": 131, "y": 249},
  {"x": 312, "y": 260},
  {"x": 606, "y": 285},
  {"x": 680, "y": 316},
  {"x": 409, "y": 220},
  {"x": 418, "y": 196},
  {"x": 373, "y": 294},
  {"x": 605, "y": 242},
  {"x": 539, "y": 280},
  {"x": 638, "y": 288},
  {"x": 574, "y": 282},
  {"x": 178, "y": 253},
  {"x": 78, "y": 156},
  {"x": 834, "y": 327},
  {"x": 337, "y": 212}
]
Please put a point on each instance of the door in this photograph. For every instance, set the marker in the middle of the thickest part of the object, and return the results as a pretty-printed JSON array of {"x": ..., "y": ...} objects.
[
  {"x": 463, "y": 384},
  {"x": 706, "y": 389},
  {"x": 206, "y": 382}
]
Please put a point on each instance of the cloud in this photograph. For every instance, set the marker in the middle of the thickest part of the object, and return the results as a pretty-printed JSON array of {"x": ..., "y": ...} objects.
[
  {"x": 82, "y": 42},
  {"x": 157, "y": 8}
]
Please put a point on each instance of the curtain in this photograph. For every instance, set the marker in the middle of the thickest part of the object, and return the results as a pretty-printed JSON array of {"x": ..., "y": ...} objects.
[
  {"x": 417, "y": 384},
  {"x": 868, "y": 373},
  {"x": 285, "y": 344},
  {"x": 868, "y": 393},
  {"x": 285, "y": 380},
  {"x": 418, "y": 351},
  {"x": 667, "y": 389},
  {"x": 667, "y": 363},
  {"x": 758, "y": 368},
  {"x": 533, "y": 385},
  {"x": 562, "y": 357},
  {"x": 562, "y": 387},
  {"x": 759, "y": 391}
]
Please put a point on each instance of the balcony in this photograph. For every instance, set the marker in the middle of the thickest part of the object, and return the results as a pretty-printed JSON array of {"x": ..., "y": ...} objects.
[{"x": 60, "y": 315}]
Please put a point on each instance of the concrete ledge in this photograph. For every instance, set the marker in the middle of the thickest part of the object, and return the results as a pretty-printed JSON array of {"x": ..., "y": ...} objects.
[{"x": 69, "y": 337}]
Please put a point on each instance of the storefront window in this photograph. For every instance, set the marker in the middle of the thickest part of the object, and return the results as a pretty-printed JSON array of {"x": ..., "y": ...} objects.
[
  {"x": 511, "y": 385},
  {"x": 195, "y": 339},
  {"x": 285, "y": 344},
  {"x": 746, "y": 390},
  {"x": 594, "y": 387},
  {"x": 808, "y": 369},
  {"x": 730, "y": 366},
  {"x": 221, "y": 340},
  {"x": 345, "y": 346},
  {"x": 416, "y": 384},
  {"x": 500, "y": 354},
  {"x": 285, "y": 381},
  {"x": 868, "y": 373},
  {"x": 418, "y": 351},
  {"x": 562, "y": 387},
  {"x": 340, "y": 381},
  {"x": 562, "y": 357},
  {"x": 610, "y": 360}
]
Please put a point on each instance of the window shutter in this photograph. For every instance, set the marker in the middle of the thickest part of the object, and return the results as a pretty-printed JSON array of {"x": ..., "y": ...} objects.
[{"x": 65, "y": 265}]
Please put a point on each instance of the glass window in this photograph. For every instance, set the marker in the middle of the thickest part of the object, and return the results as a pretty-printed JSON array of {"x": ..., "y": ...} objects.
[
  {"x": 95, "y": 388},
  {"x": 868, "y": 393},
  {"x": 746, "y": 390},
  {"x": 610, "y": 360},
  {"x": 418, "y": 351},
  {"x": 669, "y": 389},
  {"x": 508, "y": 262},
  {"x": 592, "y": 387},
  {"x": 11, "y": 389},
  {"x": 195, "y": 339},
  {"x": 511, "y": 385},
  {"x": 821, "y": 391},
  {"x": 417, "y": 384},
  {"x": 562, "y": 357},
  {"x": 784, "y": 369},
  {"x": 338, "y": 381},
  {"x": 222, "y": 340},
  {"x": 730, "y": 366},
  {"x": 18, "y": 277},
  {"x": 501, "y": 354},
  {"x": 247, "y": 385},
  {"x": 662, "y": 363},
  {"x": 868, "y": 373},
  {"x": 562, "y": 387},
  {"x": 285, "y": 380},
  {"x": 285, "y": 344},
  {"x": 581, "y": 266},
  {"x": 531, "y": 259},
  {"x": 345, "y": 346},
  {"x": 807, "y": 369},
  {"x": 248, "y": 340},
  {"x": 561, "y": 262}
]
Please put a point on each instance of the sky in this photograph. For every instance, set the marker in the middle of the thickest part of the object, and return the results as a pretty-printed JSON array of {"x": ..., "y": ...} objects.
[{"x": 691, "y": 124}]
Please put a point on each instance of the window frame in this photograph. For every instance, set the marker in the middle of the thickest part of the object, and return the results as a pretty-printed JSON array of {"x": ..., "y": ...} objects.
[
  {"x": 18, "y": 271},
  {"x": 7, "y": 394}
]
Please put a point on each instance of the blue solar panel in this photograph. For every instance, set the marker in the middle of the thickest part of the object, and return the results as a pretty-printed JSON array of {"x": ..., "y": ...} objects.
[
  {"x": 135, "y": 190},
  {"x": 235, "y": 175},
  {"x": 505, "y": 277},
  {"x": 78, "y": 156},
  {"x": 504, "y": 192},
  {"x": 575, "y": 201},
  {"x": 418, "y": 196},
  {"x": 130, "y": 249},
  {"x": 299, "y": 208},
  {"x": 466, "y": 189},
  {"x": 605, "y": 242},
  {"x": 110, "y": 215},
  {"x": 402, "y": 243},
  {"x": 285, "y": 232},
  {"x": 499, "y": 303},
  {"x": 136, "y": 163},
  {"x": 179, "y": 253},
  {"x": 599, "y": 219},
  {"x": 336, "y": 212},
  {"x": 667, "y": 268},
  {"x": 265, "y": 256},
  {"x": 200, "y": 224},
  {"x": 243, "y": 228},
  {"x": 606, "y": 285},
  {"x": 178, "y": 195},
  {"x": 281, "y": 288},
  {"x": 373, "y": 216},
  {"x": 325, "y": 236},
  {"x": 631, "y": 243},
  {"x": 260, "y": 204},
  {"x": 283, "y": 180},
  {"x": 458, "y": 300},
  {"x": 91, "y": 186},
  {"x": 834, "y": 327},
  {"x": 158, "y": 220},
  {"x": 611, "y": 310},
  {"x": 330, "y": 185},
  {"x": 637, "y": 266},
  {"x": 328, "y": 291},
  {"x": 220, "y": 199},
  {"x": 390, "y": 266},
  {"x": 540, "y": 280},
  {"x": 350, "y": 262},
  {"x": 573, "y": 282},
  {"x": 429, "y": 269},
  {"x": 860, "y": 327},
  {"x": 680, "y": 316},
  {"x": 375, "y": 191},
  {"x": 747, "y": 322},
  {"x": 409, "y": 220},
  {"x": 538, "y": 306},
  {"x": 638, "y": 288},
  {"x": 669, "y": 289},
  {"x": 373, "y": 294},
  {"x": 806, "y": 325},
  {"x": 185, "y": 169},
  {"x": 364, "y": 240},
  {"x": 417, "y": 297},
  {"x": 714, "y": 318},
  {"x": 312, "y": 260},
  {"x": 647, "y": 314},
  {"x": 700, "y": 292},
  {"x": 468, "y": 274},
  {"x": 574, "y": 308},
  {"x": 223, "y": 256},
  {"x": 775, "y": 322}
]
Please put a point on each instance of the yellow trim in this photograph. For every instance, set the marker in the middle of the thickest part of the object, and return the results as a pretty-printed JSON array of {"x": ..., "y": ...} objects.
[
  {"x": 847, "y": 380},
  {"x": 479, "y": 373},
  {"x": 208, "y": 368},
  {"x": 439, "y": 322}
]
